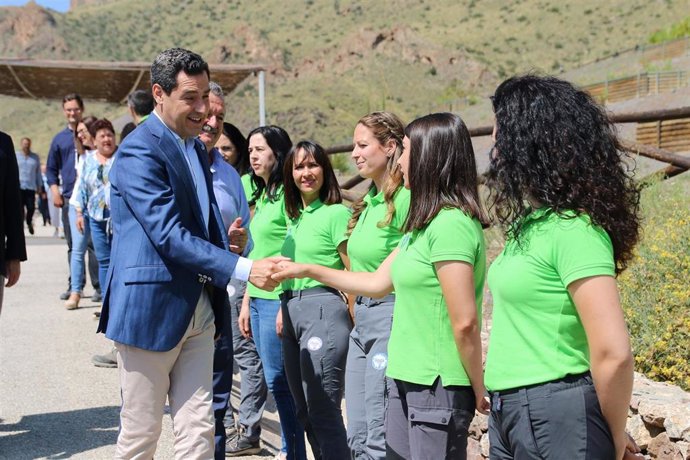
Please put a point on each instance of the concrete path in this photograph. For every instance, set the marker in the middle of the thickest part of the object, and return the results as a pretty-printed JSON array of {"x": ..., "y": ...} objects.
[{"x": 53, "y": 402}]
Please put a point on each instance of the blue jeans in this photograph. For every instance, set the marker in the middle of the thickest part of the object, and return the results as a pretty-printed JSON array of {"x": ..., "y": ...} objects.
[
  {"x": 101, "y": 245},
  {"x": 263, "y": 322},
  {"x": 79, "y": 243}
]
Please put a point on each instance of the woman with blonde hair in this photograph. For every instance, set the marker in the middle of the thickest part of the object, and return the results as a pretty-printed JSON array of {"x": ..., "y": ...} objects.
[{"x": 375, "y": 230}]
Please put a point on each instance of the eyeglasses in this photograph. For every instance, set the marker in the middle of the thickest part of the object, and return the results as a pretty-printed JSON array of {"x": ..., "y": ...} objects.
[{"x": 99, "y": 174}]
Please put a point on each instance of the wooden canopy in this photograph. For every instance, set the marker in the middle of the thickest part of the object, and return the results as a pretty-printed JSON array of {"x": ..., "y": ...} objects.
[{"x": 102, "y": 81}]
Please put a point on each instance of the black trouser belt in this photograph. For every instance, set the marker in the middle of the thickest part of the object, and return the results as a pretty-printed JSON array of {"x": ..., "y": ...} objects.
[
  {"x": 290, "y": 294},
  {"x": 371, "y": 301}
]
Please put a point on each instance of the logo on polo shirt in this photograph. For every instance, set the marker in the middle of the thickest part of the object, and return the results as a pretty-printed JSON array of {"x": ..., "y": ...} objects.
[
  {"x": 379, "y": 361},
  {"x": 314, "y": 343}
]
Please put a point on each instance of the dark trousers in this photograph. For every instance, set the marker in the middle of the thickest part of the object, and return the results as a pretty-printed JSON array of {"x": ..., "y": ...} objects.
[
  {"x": 253, "y": 389},
  {"x": 553, "y": 420},
  {"x": 222, "y": 385},
  {"x": 233, "y": 346},
  {"x": 28, "y": 204},
  {"x": 316, "y": 330},
  {"x": 428, "y": 421},
  {"x": 43, "y": 209},
  {"x": 93, "y": 261}
]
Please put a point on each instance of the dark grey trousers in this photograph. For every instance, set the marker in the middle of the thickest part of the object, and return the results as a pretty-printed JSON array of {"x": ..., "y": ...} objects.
[
  {"x": 253, "y": 390},
  {"x": 316, "y": 329},
  {"x": 555, "y": 420},
  {"x": 366, "y": 394},
  {"x": 426, "y": 422}
]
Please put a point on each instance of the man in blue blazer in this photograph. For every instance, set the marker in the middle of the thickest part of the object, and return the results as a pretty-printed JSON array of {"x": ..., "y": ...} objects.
[{"x": 165, "y": 295}]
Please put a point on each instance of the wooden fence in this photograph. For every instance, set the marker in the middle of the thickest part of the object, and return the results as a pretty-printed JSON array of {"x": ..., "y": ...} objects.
[
  {"x": 667, "y": 50},
  {"x": 671, "y": 135},
  {"x": 640, "y": 85}
]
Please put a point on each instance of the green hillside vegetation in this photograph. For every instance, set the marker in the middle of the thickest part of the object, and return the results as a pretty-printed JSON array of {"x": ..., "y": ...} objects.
[
  {"x": 332, "y": 61},
  {"x": 675, "y": 31}
]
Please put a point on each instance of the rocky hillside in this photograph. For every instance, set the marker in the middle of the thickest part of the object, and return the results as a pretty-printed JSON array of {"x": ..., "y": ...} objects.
[{"x": 332, "y": 61}]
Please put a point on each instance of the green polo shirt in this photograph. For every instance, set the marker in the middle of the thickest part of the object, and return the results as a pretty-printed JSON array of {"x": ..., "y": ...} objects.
[
  {"x": 248, "y": 186},
  {"x": 370, "y": 243},
  {"x": 422, "y": 346},
  {"x": 313, "y": 238},
  {"x": 536, "y": 334},
  {"x": 268, "y": 228}
]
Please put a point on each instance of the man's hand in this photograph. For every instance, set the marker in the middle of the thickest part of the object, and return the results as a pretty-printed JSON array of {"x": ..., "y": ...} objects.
[
  {"x": 57, "y": 200},
  {"x": 260, "y": 275},
  {"x": 237, "y": 236},
  {"x": 13, "y": 269}
]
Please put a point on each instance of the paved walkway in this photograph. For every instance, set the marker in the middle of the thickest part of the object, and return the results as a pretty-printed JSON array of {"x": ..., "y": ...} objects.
[{"x": 53, "y": 402}]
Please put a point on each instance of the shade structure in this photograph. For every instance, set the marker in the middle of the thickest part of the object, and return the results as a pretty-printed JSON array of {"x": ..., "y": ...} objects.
[{"x": 101, "y": 81}]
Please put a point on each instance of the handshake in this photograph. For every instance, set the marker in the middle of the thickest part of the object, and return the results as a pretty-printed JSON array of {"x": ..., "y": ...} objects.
[{"x": 267, "y": 273}]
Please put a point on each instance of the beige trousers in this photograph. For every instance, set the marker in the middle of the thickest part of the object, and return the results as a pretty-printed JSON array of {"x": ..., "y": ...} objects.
[{"x": 183, "y": 375}]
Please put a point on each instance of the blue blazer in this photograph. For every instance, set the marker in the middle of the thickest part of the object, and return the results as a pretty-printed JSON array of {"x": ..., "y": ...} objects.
[{"x": 162, "y": 253}]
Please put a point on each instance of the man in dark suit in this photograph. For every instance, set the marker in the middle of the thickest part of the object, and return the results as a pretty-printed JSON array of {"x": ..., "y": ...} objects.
[
  {"x": 12, "y": 245},
  {"x": 170, "y": 265}
]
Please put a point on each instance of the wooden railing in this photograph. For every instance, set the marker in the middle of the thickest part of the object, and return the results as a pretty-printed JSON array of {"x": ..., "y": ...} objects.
[{"x": 671, "y": 135}]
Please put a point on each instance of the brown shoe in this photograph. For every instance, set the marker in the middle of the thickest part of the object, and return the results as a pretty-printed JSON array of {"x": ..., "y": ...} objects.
[{"x": 72, "y": 302}]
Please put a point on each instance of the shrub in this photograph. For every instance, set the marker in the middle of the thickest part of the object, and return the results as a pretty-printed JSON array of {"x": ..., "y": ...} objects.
[
  {"x": 655, "y": 292},
  {"x": 678, "y": 30}
]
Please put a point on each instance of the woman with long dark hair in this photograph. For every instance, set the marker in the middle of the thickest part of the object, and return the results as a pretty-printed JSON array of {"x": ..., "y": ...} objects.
[
  {"x": 437, "y": 271},
  {"x": 232, "y": 146},
  {"x": 268, "y": 147},
  {"x": 559, "y": 366},
  {"x": 316, "y": 323},
  {"x": 375, "y": 230}
]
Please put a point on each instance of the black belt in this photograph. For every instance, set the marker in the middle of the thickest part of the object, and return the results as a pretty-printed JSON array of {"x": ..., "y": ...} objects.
[
  {"x": 536, "y": 390},
  {"x": 290, "y": 294},
  {"x": 371, "y": 301}
]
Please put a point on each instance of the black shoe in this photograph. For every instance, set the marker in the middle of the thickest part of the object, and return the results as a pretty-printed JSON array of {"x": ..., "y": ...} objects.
[
  {"x": 31, "y": 229},
  {"x": 65, "y": 295},
  {"x": 97, "y": 297},
  {"x": 106, "y": 360},
  {"x": 241, "y": 446}
]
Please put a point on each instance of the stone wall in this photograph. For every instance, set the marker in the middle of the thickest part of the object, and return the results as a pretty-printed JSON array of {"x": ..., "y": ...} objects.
[{"x": 658, "y": 420}]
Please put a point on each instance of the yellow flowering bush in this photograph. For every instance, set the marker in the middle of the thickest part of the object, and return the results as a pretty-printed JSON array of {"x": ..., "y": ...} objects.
[{"x": 655, "y": 289}]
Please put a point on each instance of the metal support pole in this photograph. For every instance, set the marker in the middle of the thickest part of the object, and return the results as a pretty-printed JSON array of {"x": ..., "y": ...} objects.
[
  {"x": 657, "y": 83},
  {"x": 262, "y": 98}
]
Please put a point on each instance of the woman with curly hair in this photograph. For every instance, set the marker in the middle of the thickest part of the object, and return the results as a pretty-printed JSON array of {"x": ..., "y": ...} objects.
[{"x": 559, "y": 367}]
